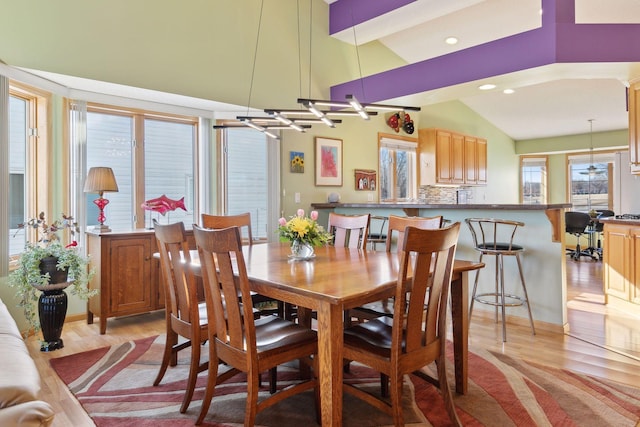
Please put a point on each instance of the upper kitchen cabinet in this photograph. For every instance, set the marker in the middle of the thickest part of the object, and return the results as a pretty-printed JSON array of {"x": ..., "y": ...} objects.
[
  {"x": 634, "y": 127},
  {"x": 448, "y": 157}
]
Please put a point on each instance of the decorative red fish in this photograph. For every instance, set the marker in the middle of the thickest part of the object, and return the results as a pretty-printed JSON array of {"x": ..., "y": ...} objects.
[{"x": 163, "y": 204}]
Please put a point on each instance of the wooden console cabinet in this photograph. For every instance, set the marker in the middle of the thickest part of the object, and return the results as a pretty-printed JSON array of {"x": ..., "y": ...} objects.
[
  {"x": 621, "y": 266},
  {"x": 127, "y": 276},
  {"x": 447, "y": 157}
]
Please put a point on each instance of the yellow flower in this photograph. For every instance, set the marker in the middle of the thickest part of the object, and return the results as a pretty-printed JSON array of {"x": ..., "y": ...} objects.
[{"x": 299, "y": 226}]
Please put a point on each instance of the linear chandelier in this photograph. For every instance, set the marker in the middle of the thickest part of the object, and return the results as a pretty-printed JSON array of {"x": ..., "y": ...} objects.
[{"x": 315, "y": 111}]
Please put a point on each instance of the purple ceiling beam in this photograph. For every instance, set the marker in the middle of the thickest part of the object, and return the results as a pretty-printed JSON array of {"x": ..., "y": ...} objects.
[
  {"x": 347, "y": 13},
  {"x": 559, "y": 40}
]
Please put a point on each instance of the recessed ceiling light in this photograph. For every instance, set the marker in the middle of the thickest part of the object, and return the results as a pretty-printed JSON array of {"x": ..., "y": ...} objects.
[
  {"x": 487, "y": 87},
  {"x": 451, "y": 40},
  {"x": 508, "y": 91}
]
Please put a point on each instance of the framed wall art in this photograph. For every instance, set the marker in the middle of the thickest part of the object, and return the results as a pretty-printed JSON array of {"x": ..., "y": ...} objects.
[
  {"x": 328, "y": 162},
  {"x": 296, "y": 162},
  {"x": 365, "y": 180}
]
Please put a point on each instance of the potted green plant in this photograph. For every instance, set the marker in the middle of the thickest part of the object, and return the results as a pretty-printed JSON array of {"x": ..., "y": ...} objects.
[{"x": 44, "y": 270}]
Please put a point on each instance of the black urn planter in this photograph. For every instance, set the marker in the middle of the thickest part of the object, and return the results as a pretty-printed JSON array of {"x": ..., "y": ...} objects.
[{"x": 52, "y": 305}]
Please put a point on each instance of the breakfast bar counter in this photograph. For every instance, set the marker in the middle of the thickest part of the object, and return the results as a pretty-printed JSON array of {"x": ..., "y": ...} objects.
[{"x": 544, "y": 260}]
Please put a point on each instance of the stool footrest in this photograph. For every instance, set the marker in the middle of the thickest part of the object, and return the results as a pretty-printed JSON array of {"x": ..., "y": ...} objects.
[{"x": 510, "y": 300}]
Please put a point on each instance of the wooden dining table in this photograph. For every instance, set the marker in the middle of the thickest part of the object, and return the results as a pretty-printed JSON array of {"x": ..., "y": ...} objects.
[{"x": 337, "y": 279}]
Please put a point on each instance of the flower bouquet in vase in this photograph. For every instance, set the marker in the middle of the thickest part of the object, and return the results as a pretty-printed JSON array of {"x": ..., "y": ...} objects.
[{"x": 304, "y": 233}]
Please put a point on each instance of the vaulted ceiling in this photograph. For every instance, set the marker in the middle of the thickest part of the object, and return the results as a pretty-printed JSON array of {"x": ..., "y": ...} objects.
[{"x": 567, "y": 61}]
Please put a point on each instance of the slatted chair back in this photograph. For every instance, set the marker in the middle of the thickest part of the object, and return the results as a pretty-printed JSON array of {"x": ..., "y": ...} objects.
[
  {"x": 397, "y": 224},
  {"x": 349, "y": 231},
  {"x": 243, "y": 221}
]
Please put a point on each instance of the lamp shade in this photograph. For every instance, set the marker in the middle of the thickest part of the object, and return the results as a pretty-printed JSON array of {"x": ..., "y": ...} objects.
[{"x": 99, "y": 180}]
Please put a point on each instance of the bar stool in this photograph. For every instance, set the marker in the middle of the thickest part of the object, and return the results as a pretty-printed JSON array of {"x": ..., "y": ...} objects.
[{"x": 495, "y": 237}]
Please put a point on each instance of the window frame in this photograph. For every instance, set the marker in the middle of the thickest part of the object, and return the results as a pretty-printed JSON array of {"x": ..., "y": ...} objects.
[
  {"x": 545, "y": 177},
  {"x": 37, "y": 174},
  {"x": 394, "y": 142},
  {"x": 138, "y": 117},
  {"x": 598, "y": 157}
]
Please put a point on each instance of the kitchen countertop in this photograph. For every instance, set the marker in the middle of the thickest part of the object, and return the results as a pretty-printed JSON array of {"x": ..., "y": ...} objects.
[
  {"x": 623, "y": 221},
  {"x": 417, "y": 205}
]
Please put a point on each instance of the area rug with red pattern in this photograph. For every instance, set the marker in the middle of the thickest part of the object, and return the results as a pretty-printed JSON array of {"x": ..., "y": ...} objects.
[{"x": 114, "y": 385}]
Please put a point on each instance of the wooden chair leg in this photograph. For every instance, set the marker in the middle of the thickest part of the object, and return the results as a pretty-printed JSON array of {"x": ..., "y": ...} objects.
[
  {"x": 396, "y": 400},
  {"x": 252, "y": 399},
  {"x": 212, "y": 374},
  {"x": 384, "y": 385},
  {"x": 446, "y": 392},
  {"x": 168, "y": 354},
  {"x": 273, "y": 380},
  {"x": 193, "y": 376}
]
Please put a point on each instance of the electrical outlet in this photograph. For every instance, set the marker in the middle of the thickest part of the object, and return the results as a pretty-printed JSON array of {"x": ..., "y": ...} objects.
[
  {"x": 370, "y": 197},
  {"x": 296, "y": 198}
]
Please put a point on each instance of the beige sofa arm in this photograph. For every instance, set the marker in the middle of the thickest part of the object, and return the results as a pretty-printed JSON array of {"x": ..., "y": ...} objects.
[{"x": 29, "y": 414}]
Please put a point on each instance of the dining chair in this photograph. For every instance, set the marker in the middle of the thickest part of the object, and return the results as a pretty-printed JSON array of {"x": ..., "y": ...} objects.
[
  {"x": 349, "y": 231},
  {"x": 185, "y": 316},
  {"x": 245, "y": 344},
  {"x": 399, "y": 345},
  {"x": 396, "y": 227},
  {"x": 243, "y": 222}
]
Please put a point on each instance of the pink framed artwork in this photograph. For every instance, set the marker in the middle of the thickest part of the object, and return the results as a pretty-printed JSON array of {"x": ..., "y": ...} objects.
[{"x": 328, "y": 162}]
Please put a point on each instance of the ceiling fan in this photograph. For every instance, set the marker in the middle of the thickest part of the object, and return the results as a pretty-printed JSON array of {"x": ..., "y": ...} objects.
[{"x": 592, "y": 170}]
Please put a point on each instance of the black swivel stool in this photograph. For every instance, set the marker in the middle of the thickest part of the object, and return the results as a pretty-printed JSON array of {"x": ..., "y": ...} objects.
[
  {"x": 495, "y": 237},
  {"x": 578, "y": 224}
]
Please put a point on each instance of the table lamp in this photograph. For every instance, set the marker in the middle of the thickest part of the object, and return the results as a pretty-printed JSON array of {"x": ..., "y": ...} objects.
[{"x": 99, "y": 180}]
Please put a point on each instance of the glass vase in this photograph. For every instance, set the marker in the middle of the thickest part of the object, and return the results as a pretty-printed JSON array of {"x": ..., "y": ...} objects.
[{"x": 301, "y": 250}]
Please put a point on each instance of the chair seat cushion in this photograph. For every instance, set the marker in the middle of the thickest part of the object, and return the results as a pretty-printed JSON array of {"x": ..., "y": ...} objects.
[
  {"x": 374, "y": 309},
  {"x": 499, "y": 246},
  {"x": 274, "y": 332},
  {"x": 373, "y": 336}
]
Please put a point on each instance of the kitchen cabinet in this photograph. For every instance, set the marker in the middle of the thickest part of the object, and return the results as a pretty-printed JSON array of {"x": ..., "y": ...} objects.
[
  {"x": 634, "y": 127},
  {"x": 447, "y": 157},
  {"x": 126, "y": 274},
  {"x": 621, "y": 266}
]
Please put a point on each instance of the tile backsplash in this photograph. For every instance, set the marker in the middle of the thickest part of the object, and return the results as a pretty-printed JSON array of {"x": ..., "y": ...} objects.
[{"x": 439, "y": 195}]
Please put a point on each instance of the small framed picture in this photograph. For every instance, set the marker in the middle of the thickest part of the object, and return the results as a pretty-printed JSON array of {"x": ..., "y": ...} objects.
[
  {"x": 365, "y": 179},
  {"x": 296, "y": 162},
  {"x": 328, "y": 162}
]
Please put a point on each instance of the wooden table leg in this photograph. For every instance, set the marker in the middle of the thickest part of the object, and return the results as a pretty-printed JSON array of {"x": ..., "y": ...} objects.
[
  {"x": 460, "y": 321},
  {"x": 330, "y": 329}
]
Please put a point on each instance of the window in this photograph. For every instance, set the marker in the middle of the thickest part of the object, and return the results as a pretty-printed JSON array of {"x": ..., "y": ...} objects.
[
  {"x": 397, "y": 162},
  {"x": 251, "y": 179},
  {"x": 27, "y": 115},
  {"x": 589, "y": 185},
  {"x": 533, "y": 175},
  {"x": 151, "y": 155}
]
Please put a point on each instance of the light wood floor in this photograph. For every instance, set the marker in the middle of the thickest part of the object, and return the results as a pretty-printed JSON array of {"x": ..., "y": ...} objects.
[{"x": 603, "y": 343}]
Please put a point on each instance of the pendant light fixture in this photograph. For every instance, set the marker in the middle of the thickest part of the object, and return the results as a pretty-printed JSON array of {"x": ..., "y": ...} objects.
[
  {"x": 324, "y": 111},
  {"x": 592, "y": 169},
  {"x": 315, "y": 111}
]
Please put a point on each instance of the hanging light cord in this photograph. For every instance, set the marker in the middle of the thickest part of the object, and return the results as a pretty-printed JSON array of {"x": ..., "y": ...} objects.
[
  {"x": 299, "y": 51},
  {"x": 355, "y": 42},
  {"x": 255, "y": 57},
  {"x": 310, "y": 43}
]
